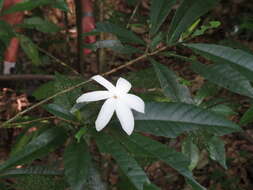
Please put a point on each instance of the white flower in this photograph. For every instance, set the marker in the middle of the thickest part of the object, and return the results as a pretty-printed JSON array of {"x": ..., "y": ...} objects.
[{"x": 118, "y": 100}]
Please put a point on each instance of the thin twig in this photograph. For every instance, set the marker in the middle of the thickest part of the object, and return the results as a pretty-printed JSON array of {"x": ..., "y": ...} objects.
[
  {"x": 10, "y": 125},
  {"x": 81, "y": 84},
  {"x": 133, "y": 14},
  {"x": 58, "y": 60},
  {"x": 31, "y": 121}
]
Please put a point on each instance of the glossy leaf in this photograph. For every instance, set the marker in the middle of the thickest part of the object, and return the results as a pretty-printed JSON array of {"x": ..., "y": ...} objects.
[
  {"x": 77, "y": 161},
  {"x": 188, "y": 12},
  {"x": 191, "y": 151},
  {"x": 238, "y": 59},
  {"x": 30, "y": 49},
  {"x": 225, "y": 76},
  {"x": 173, "y": 158},
  {"x": 173, "y": 119},
  {"x": 123, "y": 34},
  {"x": 34, "y": 170},
  {"x": 216, "y": 149},
  {"x": 40, "y": 25},
  {"x": 128, "y": 165},
  {"x": 39, "y": 146},
  {"x": 27, "y": 6},
  {"x": 158, "y": 13},
  {"x": 45, "y": 90},
  {"x": 59, "y": 111},
  {"x": 170, "y": 84}
]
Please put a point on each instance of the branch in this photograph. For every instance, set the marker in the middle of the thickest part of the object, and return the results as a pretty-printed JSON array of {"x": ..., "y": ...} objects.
[{"x": 82, "y": 83}]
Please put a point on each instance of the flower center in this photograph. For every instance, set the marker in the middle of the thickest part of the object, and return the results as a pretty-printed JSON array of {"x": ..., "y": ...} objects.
[{"x": 115, "y": 97}]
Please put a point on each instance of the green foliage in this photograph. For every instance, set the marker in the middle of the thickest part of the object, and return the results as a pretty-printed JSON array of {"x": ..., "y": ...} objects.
[
  {"x": 123, "y": 34},
  {"x": 247, "y": 116},
  {"x": 170, "y": 84},
  {"x": 225, "y": 76},
  {"x": 216, "y": 150},
  {"x": 40, "y": 25},
  {"x": 191, "y": 151},
  {"x": 39, "y": 146},
  {"x": 158, "y": 13},
  {"x": 59, "y": 111},
  {"x": 26, "y": 6},
  {"x": 199, "y": 115},
  {"x": 173, "y": 158},
  {"x": 238, "y": 59},
  {"x": 204, "y": 28},
  {"x": 29, "y": 48},
  {"x": 68, "y": 99},
  {"x": 39, "y": 182},
  {"x": 45, "y": 90},
  {"x": 126, "y": 163},
  {"x": 1, "y": 4},
  {"x": 187, "y": 13},
  {"x": 6, "y": 32},
  {"x": 173, "y": 119},
  {"x": 33, "y": 170},
  {"x": 76, "y": 163}
]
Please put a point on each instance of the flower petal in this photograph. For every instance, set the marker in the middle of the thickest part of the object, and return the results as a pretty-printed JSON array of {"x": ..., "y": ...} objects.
[
  {"x": 101, "y": 80},
  {"x": 123, "y": 85},
  {"x": 105, "y": 114},
  {"x": 134, "y": 102},
  {"x": 94, "y": 96},
  {"x": 125, "y": 116}
]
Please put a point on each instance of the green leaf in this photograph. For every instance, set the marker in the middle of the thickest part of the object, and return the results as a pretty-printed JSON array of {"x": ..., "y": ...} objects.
[
  {"x": 30, "y": 49},
  {"x": 26, "y": 6},
  {"x": 158, "y": 13},
  {"x": 191, "y": 151},
  {"x": 188, "y": 12},
  {"x": 204, "y": 28},
  {"x": 225, "y": 76},
  {"x": 77, "y": 161},
  {"x": 59, "y": 111},
  {"x": 207, "y": 90},
  {"x": 170, "y": 84},
  {"x": 156, "y": 40},
  {"x": 45, "y": 90},
  {"x": 123, "y": 34},
  {"x": 247, "y": 117},
  {"x": 216, "y": 149},
  {"x": 39, "y": 146},
  {"x": 34, "y": 170},
  {"x": 139, "y": 79},
  {"x": 68, "y": 99},
  {"x": 173, "y": 119},
  {"x": 127, "y": 164},
  {"x": 60, "y": 4},
  {"x": 173, "y": 158},
  {"x": 6, "y": 32},
  {"x": 40, "y": 25},
  {"x": 238, "y": 59},
  {"x": 223, "y": 110},
  {"x": 22, "y": 140}
]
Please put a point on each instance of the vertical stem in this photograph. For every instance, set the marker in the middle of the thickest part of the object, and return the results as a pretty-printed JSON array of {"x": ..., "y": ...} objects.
[
  {"x": 101, "y": 51},
  {"x": 78, "y": 5}
]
